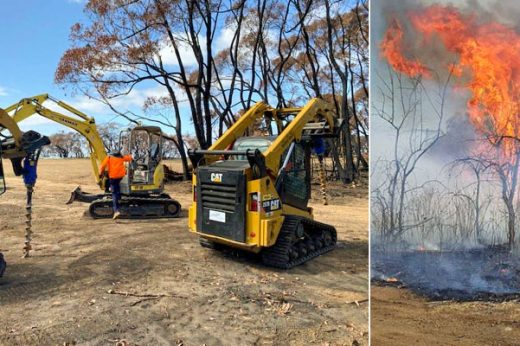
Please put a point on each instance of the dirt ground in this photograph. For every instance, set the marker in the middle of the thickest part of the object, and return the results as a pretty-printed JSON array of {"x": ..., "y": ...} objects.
[
  {"x": 399, "y": 317},
  {"x": 97, "y": 282}
]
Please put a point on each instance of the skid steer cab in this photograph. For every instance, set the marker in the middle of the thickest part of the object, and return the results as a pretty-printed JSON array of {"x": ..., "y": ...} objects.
[{"x": 252, "y": 192}]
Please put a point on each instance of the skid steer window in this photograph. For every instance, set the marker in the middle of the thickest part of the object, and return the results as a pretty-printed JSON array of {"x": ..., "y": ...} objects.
[
  {"x": 245, "y": 143},
  {"x": 293, "y": 184},
  {"x": 2, "y": 178}
]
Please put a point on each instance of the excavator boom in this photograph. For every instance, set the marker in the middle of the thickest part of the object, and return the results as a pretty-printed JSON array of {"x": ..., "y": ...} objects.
[{"x": 85, "y": 125}]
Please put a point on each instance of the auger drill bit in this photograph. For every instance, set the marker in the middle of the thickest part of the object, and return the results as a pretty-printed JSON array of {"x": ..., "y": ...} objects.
[
  {"x": 29, "y": 177},
  {"x": 28, "y": 222},
  {"x": 323, "y": 181}
]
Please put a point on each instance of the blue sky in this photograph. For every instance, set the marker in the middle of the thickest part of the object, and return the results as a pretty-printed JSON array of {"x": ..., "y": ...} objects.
[{"x": 33, "y": 36}]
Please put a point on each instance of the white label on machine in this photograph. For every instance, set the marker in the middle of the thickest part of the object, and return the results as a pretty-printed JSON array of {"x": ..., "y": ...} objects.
[{"x": 217, "y": 216}]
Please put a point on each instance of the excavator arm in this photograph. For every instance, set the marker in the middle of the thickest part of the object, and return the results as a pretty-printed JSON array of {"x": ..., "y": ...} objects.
[
  {"x": 83, "y": 124},
  {"x": 142, "y": 185},
  {"x": 9, "y": 124},
  {"x": 17, "y": 145},
  {"x": 9, "y": 145}
]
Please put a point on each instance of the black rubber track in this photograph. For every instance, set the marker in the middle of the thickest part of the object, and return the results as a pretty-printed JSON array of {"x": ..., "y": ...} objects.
[
  {"x": 106, "y": 203},
  {"x": 210, "y": 244},
  {"x": 279, "y": 255},
  {"x": 3, "y": 265}
]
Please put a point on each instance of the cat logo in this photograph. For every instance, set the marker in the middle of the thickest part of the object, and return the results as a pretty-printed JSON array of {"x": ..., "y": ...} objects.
[{"x": 216, "y": 177}]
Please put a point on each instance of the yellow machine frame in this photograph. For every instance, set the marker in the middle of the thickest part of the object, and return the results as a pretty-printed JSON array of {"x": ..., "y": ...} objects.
[
  {"x": 86, "y": 125},
  {"x": 262, "y": 229}
]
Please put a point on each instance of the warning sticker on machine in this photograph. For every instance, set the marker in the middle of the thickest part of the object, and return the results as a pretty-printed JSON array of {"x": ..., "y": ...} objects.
[
  {"x": 273, "y": 204},
  {"x": 217, "y": 216}
]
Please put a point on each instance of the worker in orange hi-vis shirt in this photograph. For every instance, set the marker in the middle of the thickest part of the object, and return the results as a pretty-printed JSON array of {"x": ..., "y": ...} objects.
[{"x": 115, "y": 164}]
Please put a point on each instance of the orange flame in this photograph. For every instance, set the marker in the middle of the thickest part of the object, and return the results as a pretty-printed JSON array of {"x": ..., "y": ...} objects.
[
  {"x": 391, "y": 48},
  {"x": 489, "y": 53}
]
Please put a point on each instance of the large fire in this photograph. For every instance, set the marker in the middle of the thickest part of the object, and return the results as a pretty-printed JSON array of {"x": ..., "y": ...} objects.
[{"x": 488, "y": 65}]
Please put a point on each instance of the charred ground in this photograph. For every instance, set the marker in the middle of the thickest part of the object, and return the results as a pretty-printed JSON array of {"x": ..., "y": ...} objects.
[
  {"x": 458, "y": 297},
  {"x": 488, "y": 273}
]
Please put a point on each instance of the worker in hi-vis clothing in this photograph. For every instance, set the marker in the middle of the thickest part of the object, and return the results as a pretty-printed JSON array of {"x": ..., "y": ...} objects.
[{"x": 115, "y": 164}]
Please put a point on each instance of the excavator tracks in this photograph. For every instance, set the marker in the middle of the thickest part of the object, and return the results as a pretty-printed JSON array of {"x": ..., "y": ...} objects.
[
  {"x": 300, "y": 240},
  {"x": 137, "y": 208}
]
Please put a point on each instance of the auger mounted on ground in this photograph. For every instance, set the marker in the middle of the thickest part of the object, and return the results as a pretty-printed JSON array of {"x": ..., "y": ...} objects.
[
  {"x": 252, "y": 193},
  {"x": 23, "y": 149}
]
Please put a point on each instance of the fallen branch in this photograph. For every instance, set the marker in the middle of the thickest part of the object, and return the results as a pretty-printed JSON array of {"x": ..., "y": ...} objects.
[
  {"x": 144, "y": 300},
  {"x": 147, "y": 295},
  {"x": 358, "y": 302}
]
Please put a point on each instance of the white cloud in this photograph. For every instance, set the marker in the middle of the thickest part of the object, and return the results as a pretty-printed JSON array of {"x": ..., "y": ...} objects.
[
  {"x": 225, "y": 37},
  {"x": 3, "y": 91},
  {"x": 134, "y": 102},
  {"x": 188, "y": 59},
  {"x": 88, "y": 105},
  {"x": 137, "y": 97},
  {"x": 222, "y": 41}
]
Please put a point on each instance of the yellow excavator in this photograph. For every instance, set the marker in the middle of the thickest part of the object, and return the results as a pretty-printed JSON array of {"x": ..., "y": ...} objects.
[
  {"x": 23, "y": 149},
  {"x": 142, "y": 188},
  {"x": 252, "y": 192}
]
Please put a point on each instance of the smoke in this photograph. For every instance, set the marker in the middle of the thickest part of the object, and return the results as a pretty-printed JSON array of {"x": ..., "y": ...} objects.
[
  {"x": 457, "y": 141},
  {"x": 483, "y": 274},
  {"x": 459, "y": 137}
]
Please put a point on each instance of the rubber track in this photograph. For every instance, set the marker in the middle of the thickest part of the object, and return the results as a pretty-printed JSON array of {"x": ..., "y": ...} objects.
[
  {"x": 125, "y": 200},
  {"x": 210, "y": 244},
  {"x": 278, "y": 254},
  {"x": 3, "y": 265}
]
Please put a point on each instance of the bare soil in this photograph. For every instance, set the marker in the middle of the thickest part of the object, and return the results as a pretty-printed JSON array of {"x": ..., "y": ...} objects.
[
  {"x": 399, "y": 317},
  {"x": 148, "y": 282}
]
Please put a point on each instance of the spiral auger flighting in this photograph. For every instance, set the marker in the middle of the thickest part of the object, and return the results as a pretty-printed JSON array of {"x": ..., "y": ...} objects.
[
  {"x": 23, "y": 148},
  {"x": 28, "y": 222},
  {"x": 29, "y": 177},
  {"x": 322, "y": 181}
]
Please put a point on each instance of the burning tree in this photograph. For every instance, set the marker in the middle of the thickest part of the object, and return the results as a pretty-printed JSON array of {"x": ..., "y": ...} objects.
[
  {"x": 460, "y": 211},
  {"x": 483, "y": 59}
]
